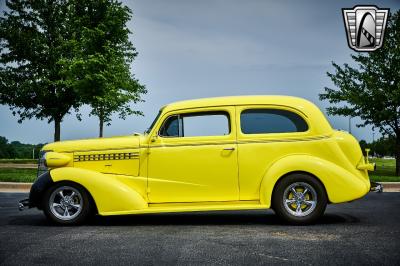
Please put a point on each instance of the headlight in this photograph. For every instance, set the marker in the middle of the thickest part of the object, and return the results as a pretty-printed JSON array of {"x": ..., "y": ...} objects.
[
  {"x": 55, "y": 159},
  {"x": 42, "y": 167}
]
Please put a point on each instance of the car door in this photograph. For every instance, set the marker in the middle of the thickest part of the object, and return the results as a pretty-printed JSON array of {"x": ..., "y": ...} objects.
[{"x": 193, "y": 157}]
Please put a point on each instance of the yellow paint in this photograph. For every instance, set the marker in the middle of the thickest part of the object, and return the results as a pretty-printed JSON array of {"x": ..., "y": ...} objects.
[
  {"x": 194, "y": 168},
  {"x": 56, "y": 159},
  {"x": 366, "y": 166},
  {"x": 111, "y": 193},
  {"x": 103, "y": 161},
  {"x": 198, "y": 173}
]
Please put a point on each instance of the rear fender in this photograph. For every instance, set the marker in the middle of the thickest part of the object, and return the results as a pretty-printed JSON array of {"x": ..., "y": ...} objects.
[
  {"x": 340, "y": 184},
  {"x": 109, "y": 194}
]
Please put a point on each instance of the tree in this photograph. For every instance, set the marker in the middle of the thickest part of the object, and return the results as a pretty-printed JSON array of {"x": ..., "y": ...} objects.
[
  {"x": 34, "y": 40},
  {"x": 100, "y": 69},
  {"x": 4, "y": 148},
  {"x": 383, "y": 146},
  {"x": 371, "y": 91},
  {"x": 57, "y": 55},
  {"x": 18, "y": 150},
  {"x": 363, "y": 145}
]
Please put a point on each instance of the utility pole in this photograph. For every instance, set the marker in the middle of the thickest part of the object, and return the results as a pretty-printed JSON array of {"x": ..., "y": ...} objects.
[
  {"x": 350, "y": 124},
  {"x": 373, "y": 140},
  {"x": 33, "y": 153}
]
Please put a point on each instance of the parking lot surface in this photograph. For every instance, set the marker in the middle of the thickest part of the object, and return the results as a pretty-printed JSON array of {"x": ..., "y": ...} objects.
[{"x": 363, "y": 232}]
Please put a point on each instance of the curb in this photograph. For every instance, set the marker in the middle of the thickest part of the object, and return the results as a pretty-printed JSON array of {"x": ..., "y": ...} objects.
[
  {"x": 25, "y": 187},
  {"x": 15, "y": 187},
  {"x": 18, "y": 165},
  {"x": 391, "y": 186}
]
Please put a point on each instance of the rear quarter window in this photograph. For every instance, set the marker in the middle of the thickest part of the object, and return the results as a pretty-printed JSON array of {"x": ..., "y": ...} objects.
[{"x": 264, "y": 121}]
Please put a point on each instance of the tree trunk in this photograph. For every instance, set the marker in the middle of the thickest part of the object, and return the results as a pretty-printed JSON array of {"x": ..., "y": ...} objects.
[
  {"x": 101, "y": 127},
  {"x": 101, "y": 123},
  {"x": 57, "y": 129},
  {"x": 397, "y": 154}
]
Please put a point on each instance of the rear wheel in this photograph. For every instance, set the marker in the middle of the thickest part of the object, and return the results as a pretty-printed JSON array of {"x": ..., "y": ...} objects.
[
  {"x": 67, "y": 203},
  {"x": 299, "y": 199}
]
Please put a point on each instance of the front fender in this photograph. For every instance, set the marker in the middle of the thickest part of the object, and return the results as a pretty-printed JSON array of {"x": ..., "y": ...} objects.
[
  {"x": 110, "y": 194},
  {"x": 38, "y": 188},
  {"x": 340, "y": 184}
]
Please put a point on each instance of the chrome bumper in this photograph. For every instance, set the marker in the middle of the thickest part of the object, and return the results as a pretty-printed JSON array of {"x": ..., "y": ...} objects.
[
  {"x": 376, "y": 187},
  {"x": 23, "y": 204}
]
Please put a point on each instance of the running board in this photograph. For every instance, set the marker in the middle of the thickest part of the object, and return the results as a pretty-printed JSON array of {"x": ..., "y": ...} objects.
[
  {"x": 194, "y": 207},
  {"x": 204, "y": 203}
]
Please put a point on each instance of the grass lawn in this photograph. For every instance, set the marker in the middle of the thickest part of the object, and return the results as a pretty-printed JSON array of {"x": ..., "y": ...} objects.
[
  {"x": 17, "y": 175},
  {"x": 28, "y": 161},
  {"x": 385, "y": 169}
]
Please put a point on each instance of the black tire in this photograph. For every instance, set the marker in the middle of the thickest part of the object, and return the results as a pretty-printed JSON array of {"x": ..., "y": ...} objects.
[
  {"x": 312, "y": 203},
  {"x": 77, "y": 215}
]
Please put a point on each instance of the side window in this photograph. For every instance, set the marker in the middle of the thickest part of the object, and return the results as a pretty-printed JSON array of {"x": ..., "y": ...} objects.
[
  {"x": 196, "y": 124},
  {"x": 170, "y": 127},
  {"x": 205, "y": 124},
  {"x": 262, "y": 121}
]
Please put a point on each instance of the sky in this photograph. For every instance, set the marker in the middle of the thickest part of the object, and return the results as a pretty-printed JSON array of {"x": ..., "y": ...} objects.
[{"x": 196, "y": 49}]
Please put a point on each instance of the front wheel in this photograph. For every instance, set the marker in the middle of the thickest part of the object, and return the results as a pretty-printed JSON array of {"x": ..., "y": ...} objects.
[
  {"x": 299, "y": 199},
  {"x": 66, "y": 203}
]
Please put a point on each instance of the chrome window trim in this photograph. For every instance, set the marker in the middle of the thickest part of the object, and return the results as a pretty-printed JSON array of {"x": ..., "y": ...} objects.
[{"x": 180, "y": 123}]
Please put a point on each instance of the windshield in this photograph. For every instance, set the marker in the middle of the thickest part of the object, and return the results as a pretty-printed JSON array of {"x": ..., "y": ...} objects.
[{"x": 153, "y": 123}]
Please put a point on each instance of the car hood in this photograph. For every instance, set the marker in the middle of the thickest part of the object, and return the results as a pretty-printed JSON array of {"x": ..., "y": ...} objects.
[{"x": 97, "y": 144}]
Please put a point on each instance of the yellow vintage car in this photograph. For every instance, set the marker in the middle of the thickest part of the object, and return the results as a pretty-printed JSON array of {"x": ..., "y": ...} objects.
[{"x": 225, "y": 153}]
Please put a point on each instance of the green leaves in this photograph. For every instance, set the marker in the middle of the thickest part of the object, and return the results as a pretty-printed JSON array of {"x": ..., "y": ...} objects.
[
  {"x": 100, "y": 70},
  {"x": 371, "y": 90},
  {"x": 57, "y": 55},
  {"x": 33, "y": 37}
]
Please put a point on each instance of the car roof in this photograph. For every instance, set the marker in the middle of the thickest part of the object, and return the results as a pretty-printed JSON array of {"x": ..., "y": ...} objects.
[{"x": 291, "y": 101}]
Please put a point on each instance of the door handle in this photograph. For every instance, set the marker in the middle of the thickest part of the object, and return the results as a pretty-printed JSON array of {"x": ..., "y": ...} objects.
[{"x": 229, "y": 149}]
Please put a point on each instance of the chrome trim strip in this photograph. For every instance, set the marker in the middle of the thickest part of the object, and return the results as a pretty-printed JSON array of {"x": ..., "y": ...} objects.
[
  {"x": 241, "y": 142},
  {"x": 283, "y": 140},
  {"x": 106, "y": 156},
  {"x": 193, "y": 144},
  {"x": 103, "y": 149}
]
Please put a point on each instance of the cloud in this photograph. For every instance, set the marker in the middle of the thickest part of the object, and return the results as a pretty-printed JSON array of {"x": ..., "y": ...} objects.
[{"x": 192, "y": 49}]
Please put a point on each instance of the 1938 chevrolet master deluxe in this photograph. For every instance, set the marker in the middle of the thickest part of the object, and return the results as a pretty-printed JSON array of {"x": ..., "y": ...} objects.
[{"x": 228, "y": 153}]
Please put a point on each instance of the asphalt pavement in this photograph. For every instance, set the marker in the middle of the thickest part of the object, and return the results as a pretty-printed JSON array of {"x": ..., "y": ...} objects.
[{"x": 364, "y": 232}]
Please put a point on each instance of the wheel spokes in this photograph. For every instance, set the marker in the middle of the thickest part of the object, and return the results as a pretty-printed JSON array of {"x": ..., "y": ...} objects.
[
  {"x": 76, "y": 206},
  {"x": 65, "y": 203},
  {"x": 57, "y": 204},
  {"x": 309, "y": 202},
  {"x": 61, "y": 193},
  {"x": 290, "y": 201},
  {"x": 66, "y": 212},
  {"x": 298, "y": 208},
  {"x": 300, "y": 199}
]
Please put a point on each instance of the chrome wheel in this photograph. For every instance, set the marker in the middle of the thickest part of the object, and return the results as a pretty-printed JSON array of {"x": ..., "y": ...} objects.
[
  {"x": 300, "y": 199},
  {"x": 66, "y": 203}
]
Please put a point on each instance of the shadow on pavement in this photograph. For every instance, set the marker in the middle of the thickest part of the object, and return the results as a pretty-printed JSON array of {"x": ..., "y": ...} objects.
[{"x": 206, "y": 218}]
